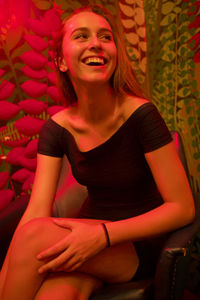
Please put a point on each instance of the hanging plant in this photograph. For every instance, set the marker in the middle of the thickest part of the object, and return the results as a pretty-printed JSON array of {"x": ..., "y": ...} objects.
[
  {"x": 6, "y": 89},
  {"x": 34, "y": 59},
  {"x": 34, "y": 88},
  {"x": 29, "y": 126},
  {"x": 133, "y": 21},
  {"x": 172, "y": 82},
  {"x": 8, "y": 110},
  {"x": 36, "y": 42},
  {"x": 31, "y": 149},
  {"x": 4, "y": 176},
  {"x": 33, "y": 106}
]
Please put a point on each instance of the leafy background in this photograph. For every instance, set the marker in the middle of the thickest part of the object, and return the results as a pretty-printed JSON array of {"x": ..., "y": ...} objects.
[{"x": 163, "y": 42}]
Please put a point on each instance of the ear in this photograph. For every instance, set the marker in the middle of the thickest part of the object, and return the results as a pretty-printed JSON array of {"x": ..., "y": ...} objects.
[{"x": 62, "y": 65}]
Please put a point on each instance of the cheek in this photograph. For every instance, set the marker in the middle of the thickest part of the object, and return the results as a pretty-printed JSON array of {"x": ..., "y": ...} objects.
[{"x": 71, "y": 55}]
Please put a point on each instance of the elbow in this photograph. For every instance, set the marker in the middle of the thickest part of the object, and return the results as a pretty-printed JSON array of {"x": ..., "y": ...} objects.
[{"x": 190, "y": 214}]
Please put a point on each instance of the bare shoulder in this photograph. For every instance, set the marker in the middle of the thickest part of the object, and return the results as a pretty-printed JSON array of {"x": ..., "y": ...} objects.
[
  {"x": 69, "y": 119},
  {"x": 62, "y": 117},
  {"x": 132, "y": 103},
  {"x": 135, "y": 102}
]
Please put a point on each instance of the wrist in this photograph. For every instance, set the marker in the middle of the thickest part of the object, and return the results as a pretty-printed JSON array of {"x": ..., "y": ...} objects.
[{"x": 106, "y": 234}]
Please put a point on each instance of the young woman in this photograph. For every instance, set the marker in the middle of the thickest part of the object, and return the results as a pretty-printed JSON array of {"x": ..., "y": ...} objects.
[{"x": 120, "y": 148}]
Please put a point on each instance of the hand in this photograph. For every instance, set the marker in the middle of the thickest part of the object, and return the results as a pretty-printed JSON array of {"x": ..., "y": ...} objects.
[{"x": 82, "y": 243}]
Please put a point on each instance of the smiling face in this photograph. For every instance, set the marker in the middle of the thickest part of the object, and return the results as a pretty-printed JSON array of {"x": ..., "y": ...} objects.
[{"x": 89, "y": 50}]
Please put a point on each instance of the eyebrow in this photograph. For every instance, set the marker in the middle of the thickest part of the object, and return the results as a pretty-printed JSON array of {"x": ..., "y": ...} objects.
[{"x": 86, "y": 29}]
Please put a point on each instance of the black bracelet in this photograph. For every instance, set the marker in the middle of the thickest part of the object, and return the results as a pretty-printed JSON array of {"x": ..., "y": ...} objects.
[{"x": 106, "y": 233}]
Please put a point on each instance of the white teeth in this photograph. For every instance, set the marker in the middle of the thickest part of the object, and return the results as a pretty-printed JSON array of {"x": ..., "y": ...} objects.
[{"x": 98, "y": 60}]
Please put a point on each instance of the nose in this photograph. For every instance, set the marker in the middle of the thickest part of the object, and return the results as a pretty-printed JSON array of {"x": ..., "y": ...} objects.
[{"x": 94, "y": 43}]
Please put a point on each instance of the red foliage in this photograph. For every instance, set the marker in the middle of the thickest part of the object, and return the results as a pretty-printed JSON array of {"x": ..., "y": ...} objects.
[
  {"x": 22, "y": 175},
  {"x": 31, "y": 149},
  {"x": 197, "y": 57},
  {"x": 36, "y": 42},
  {"x": 33, "y": 106},
  {"x": 6, "y": 89},
  {"x": 4, "y": 176},
  {"x": 29, "y": 126},
  {"x": 8, "y": 110},
  {"x": 6, "y": 197},
  {"x": 34, "y": 60},
  {"x": 14, "y": 156},
  {"x": 35, "y": 74},
  {"x": 33, "y": 88}
]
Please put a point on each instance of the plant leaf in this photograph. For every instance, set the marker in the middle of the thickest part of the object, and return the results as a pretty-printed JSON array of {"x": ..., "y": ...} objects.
[
  {"x": 167, "y": 7},
  {"x": 127, "y": 10},
  {"x": 20, "y": 50},
  {"x": 43, "y": 5},
  {"x": 132, "y": 38},
  {"x": 3, "y": 63},
  {"x": 184, "y": 92},
  {"x": 13, "y": 37}
]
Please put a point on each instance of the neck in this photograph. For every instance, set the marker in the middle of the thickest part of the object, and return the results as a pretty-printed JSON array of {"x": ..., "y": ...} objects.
[{"x": 96, "y": 102}]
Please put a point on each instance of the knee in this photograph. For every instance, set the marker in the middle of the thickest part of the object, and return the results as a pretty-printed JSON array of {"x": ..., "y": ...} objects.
[
  {"x": 28, "y": 238},
  {"x": 32, "y": 230}
]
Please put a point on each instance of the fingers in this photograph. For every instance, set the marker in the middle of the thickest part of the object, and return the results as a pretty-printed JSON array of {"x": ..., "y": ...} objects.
[
  {"x": 55, "y": 249},
  {"x": 64, "y": 262},
  {"x": 70, "y": 266},
  {"x": 65, "y": 223},
  {"x": 72, "y": 251},
  {"x": 55, "y": 263},
  {"x": 61, "y": 245}
]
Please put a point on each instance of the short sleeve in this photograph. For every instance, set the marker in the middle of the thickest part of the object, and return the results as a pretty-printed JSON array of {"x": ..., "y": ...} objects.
[
  {"x": 49, "y": 140},
  {"x": 153, "y": 132}
]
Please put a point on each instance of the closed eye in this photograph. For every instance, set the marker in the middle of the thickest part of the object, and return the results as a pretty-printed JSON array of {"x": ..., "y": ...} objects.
[
  {"x": 107, "y": 37},
  {"x": 81, "y": 36}
]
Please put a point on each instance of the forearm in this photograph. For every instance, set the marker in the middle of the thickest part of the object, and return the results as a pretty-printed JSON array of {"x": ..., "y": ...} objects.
[{"x": 164, "y": 218}]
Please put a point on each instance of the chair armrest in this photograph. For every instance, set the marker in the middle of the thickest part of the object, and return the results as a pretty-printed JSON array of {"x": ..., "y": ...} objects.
[
  {"x": 172, "y": 267},
  {"x": 171, "y": 274},
  {"x": 173, "y": 264}
]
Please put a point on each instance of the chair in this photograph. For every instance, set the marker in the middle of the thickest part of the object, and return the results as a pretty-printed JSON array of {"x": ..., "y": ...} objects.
[{"x": 167, "y": 261}]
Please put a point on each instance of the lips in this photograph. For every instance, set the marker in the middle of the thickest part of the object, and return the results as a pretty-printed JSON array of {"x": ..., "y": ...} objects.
[{"x": 94, "y": 61}]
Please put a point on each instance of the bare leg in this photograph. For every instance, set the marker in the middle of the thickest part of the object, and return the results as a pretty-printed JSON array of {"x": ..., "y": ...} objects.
[
  {"x": 39, "y": 234},
  {"x": 73, "y": 286}
]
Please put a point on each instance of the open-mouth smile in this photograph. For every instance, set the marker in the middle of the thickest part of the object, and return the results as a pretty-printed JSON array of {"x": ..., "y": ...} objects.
[{"x": 94, "y": 61}]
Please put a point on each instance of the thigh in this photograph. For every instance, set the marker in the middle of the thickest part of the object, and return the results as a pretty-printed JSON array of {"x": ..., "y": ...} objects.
[
  {"x": 62, "y": 286},
  {"x": 114, "y": 264}
]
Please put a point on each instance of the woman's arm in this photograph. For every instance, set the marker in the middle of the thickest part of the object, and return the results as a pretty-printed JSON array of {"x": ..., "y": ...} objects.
[
  {"x": 177, "y": 210},
  {"x": 44, "y": 188}
]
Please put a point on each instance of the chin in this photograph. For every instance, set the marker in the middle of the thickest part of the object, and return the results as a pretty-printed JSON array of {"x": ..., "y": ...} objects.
[{"x": 97, "y": 78}]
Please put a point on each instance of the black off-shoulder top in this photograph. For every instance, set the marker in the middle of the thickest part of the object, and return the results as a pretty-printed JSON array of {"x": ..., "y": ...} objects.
[{"x": 119, "y": 181}]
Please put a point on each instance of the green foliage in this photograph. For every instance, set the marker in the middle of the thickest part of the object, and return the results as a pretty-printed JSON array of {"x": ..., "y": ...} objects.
[{"x": 173, "y": 85}]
